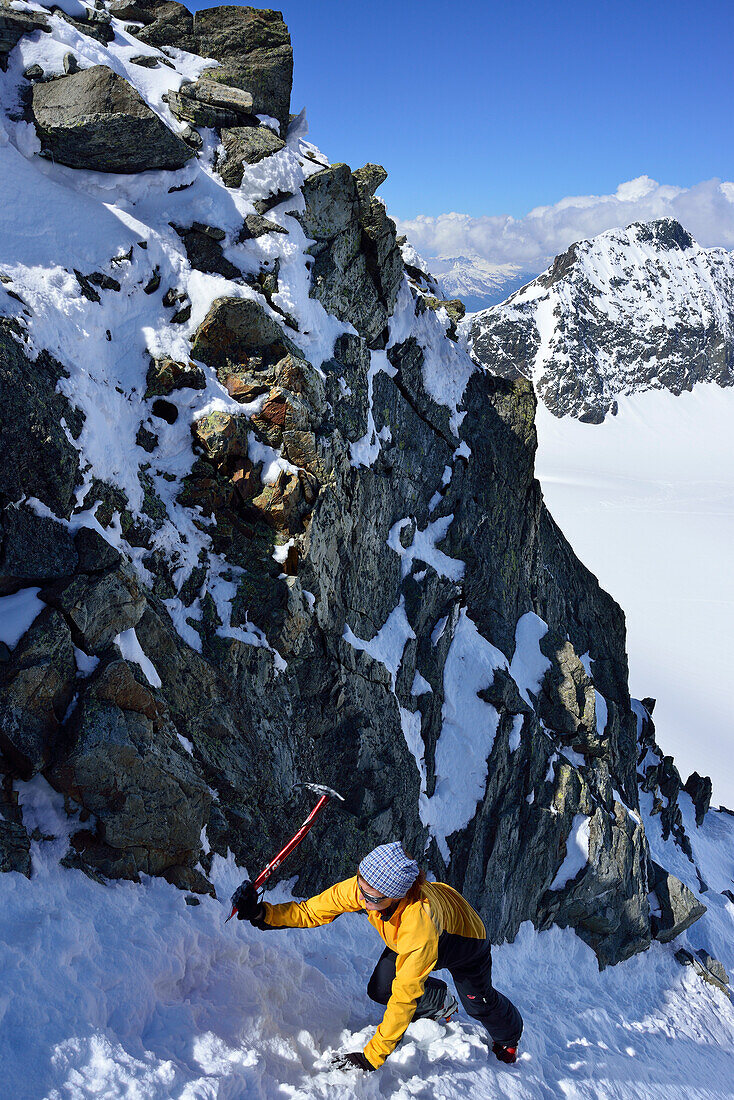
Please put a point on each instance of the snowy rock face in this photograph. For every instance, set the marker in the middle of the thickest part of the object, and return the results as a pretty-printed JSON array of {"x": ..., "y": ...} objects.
[
  {"x": 265, "y": 522},
  {"x": 633, "y": 309}
]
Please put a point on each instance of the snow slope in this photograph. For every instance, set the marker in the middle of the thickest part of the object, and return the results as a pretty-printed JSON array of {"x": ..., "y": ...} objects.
[
  {"x": 124, "y": 990},
  {"x": 647, "y": 501}
]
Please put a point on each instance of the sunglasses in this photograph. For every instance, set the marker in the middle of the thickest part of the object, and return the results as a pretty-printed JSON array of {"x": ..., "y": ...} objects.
[{"x": 371, "y": 898}]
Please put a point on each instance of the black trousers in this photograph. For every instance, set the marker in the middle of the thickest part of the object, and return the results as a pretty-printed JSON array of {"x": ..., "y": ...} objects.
[{"x": 469, "y": 962}]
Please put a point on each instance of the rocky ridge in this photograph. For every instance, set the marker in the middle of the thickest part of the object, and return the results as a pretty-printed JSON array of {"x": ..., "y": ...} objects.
[
  {"x": 632, "y": 309},
  {"x": 269, "y": 523}
]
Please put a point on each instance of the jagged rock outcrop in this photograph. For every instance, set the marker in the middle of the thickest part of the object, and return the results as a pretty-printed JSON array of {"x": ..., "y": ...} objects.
[
  {"x": 357, "y": 268},
  {"x": 37, "y": 458},
  {"x": 331, "y": 561},
  {"x": 36, "y": 687},
  {"x": 96, "y": 119},
  {"x": 632, "y": 309},
  {"x": 252, "y": 46},
  {"x": 678, "y": 907}
]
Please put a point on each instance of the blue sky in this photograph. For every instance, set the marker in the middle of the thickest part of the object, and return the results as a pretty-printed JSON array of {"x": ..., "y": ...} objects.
[{"x": 487, "y": 108}]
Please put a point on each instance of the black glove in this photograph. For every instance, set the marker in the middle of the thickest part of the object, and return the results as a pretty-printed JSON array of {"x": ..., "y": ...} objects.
[
  {"x": 246, "y": 901},
  {"x": 355, "y": 1060}
]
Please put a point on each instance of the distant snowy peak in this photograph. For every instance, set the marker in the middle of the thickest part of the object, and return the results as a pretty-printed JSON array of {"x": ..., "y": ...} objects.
[
  {"x": 632, "y": 309},
  {"x": 479, "y": 283}
]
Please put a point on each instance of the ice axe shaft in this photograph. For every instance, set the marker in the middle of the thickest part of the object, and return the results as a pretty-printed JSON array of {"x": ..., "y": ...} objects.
[{"x": 325, "y": 794}]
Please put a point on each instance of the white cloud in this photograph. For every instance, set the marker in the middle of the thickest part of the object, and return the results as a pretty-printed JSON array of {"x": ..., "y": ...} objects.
[{"x": 706, "y": 210}]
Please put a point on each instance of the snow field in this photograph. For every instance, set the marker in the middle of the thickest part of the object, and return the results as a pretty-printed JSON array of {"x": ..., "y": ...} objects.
[
  {"x": 125, "y": 991},
  {"x": 647, "y": 501}
]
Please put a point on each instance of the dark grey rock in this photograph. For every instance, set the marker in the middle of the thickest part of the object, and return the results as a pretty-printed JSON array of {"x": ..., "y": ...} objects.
[
  {"x": 262, "y": 206},
  {"x": 96, "y": 555},
  {"x": 245, "y": 145},
  {"x": 166, "y": 24},
  {"x": 71, "y": 65},
  {"x": 205, "y": 253},
  {"x": 165, "y": 375},
  {"x": 96, "y": 25},
  {"x": 36, "y": 687},
  {"x": 127, "y": 768},
  {"x": 254, "y": 225},
  {"x": 146, "y": 61},
  {"x": 33, "y": 72},
  {"x": 95, "y": 119},
  {"x": 100, "y": 607},
  {"x": 678, "y": 905},
  {"x": 13, "y": 26},
  {"x": 15, "y": 848},
  {"x": 33, "y": 549},
  {"x": 706, "y": 967},
  {"x": 700, "y": 789},
  {"x": 253, "y": 48},
  {"x": 36, "y": 457},
  {"x": 15, "y": 844}
]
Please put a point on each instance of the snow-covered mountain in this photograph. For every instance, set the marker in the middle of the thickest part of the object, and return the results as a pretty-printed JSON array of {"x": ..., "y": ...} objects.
[
  {"x": 621, "y": 324},
  {"x": 632, "y": 309},
  {"x": 479, "y": 283}
]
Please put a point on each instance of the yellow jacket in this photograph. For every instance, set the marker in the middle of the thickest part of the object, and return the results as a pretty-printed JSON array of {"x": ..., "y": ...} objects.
[{"x": 412, "y": 932}]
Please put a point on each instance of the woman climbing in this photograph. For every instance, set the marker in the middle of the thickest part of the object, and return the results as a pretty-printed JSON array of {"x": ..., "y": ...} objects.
[{"x": 426, "y": 926}]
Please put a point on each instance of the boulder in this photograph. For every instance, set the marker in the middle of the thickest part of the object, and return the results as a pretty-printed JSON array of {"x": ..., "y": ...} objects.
[
  {"x": 36, "y": 687},
  {"x": 96, "y": 554},
  {"x": 128, "y": 768},
  {"x": 37, "y": 458},
  {"x": 166, "y": 375},
  {"x": 34, "y": 549},
  {"x": 245, "y": 145},
  {"x": 255, "y": 225},
  {"x": 95, "y": 119},
  {"x": 222, "y": 436},
  {"x": 254, "y": 50},
  {"x": 679, "y": 907},
  {"x": 236, "y": 330},
  {"x": 203, "y": 106},
  {"x": 204, "y": 251},
  {"x": 100, "y": 607},
  {"x": 707, "y": 967},
  {"x": 166, "y": 24},
  {"x": 206, "y": 102},
  {"x": 13, "y": 26}
]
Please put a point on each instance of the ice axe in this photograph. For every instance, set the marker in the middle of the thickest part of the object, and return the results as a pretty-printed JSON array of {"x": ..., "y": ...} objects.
[{"x": 325, "y": 794}]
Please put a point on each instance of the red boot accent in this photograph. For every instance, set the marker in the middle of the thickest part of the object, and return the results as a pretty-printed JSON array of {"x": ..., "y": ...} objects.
[{"x": 505, "y": 1053}]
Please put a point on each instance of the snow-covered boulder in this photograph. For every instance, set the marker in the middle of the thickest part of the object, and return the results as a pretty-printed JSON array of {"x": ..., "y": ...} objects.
[{"x": 96, "y": 119}]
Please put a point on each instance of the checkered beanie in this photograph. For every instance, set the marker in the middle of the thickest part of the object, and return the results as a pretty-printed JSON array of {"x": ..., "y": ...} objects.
[{"x": 389, "y": 870}]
